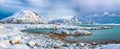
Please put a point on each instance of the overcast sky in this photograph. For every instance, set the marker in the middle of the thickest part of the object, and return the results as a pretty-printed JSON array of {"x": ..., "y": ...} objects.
[{"x": 58, "y": 8}]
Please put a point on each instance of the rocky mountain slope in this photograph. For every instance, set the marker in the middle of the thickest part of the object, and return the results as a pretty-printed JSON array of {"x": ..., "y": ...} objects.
[
  {"x": 24, "y": 16},
  {"x": 72, "y": 20}
]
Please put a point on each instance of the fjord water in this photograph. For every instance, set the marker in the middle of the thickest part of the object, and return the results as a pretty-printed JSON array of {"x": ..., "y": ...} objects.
[{"x": 108, "y": 35}]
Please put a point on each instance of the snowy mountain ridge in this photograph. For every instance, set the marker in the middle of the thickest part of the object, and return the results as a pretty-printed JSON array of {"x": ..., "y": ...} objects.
[
  {"x": 29, "y": 17},
  {"x": 24, "y": 16},
  {"x": 65, "y": 20}
]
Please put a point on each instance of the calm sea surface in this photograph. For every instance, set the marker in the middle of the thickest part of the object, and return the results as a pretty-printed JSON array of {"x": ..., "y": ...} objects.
[{"x": 109, "y": 35}]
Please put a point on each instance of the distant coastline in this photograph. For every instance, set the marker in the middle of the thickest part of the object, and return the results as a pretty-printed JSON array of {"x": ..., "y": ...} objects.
[{"x": 99, "y": 24}]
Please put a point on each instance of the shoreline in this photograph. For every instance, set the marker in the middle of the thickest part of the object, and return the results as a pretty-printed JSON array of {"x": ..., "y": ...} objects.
[
  {"x": 100, "y": 24},
  {"x": 62, "y": 37},
  {"x": 12, "y": 32}
]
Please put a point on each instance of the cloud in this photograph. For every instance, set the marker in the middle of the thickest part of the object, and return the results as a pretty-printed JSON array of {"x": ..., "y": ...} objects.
[
  {"x": 97, "y": 5},
  {"x": 1, "y": 2},
  {"x": 58, "y": 8},
  {"x": 57, "y": 13},
  {"x": 40, "y": 3},
  {"x": 47, "y": 8}
]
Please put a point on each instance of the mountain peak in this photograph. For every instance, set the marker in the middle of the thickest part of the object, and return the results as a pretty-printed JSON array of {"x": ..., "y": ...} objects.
[{"x": 24, "y": 16}]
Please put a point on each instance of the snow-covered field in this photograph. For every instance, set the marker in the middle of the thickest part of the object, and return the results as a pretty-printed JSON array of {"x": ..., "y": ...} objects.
[{"x": 12, "y": 38}]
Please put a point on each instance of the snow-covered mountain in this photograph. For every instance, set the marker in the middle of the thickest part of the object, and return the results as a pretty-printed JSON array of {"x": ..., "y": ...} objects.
[
  {"x": 71, "y": 20},
  {"x": 103, "y": 18},
  {"x": 24, "y": 16}
]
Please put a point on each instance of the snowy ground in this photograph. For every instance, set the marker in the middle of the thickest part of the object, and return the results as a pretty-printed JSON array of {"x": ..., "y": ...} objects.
[{"x": 12, "y": 38}]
